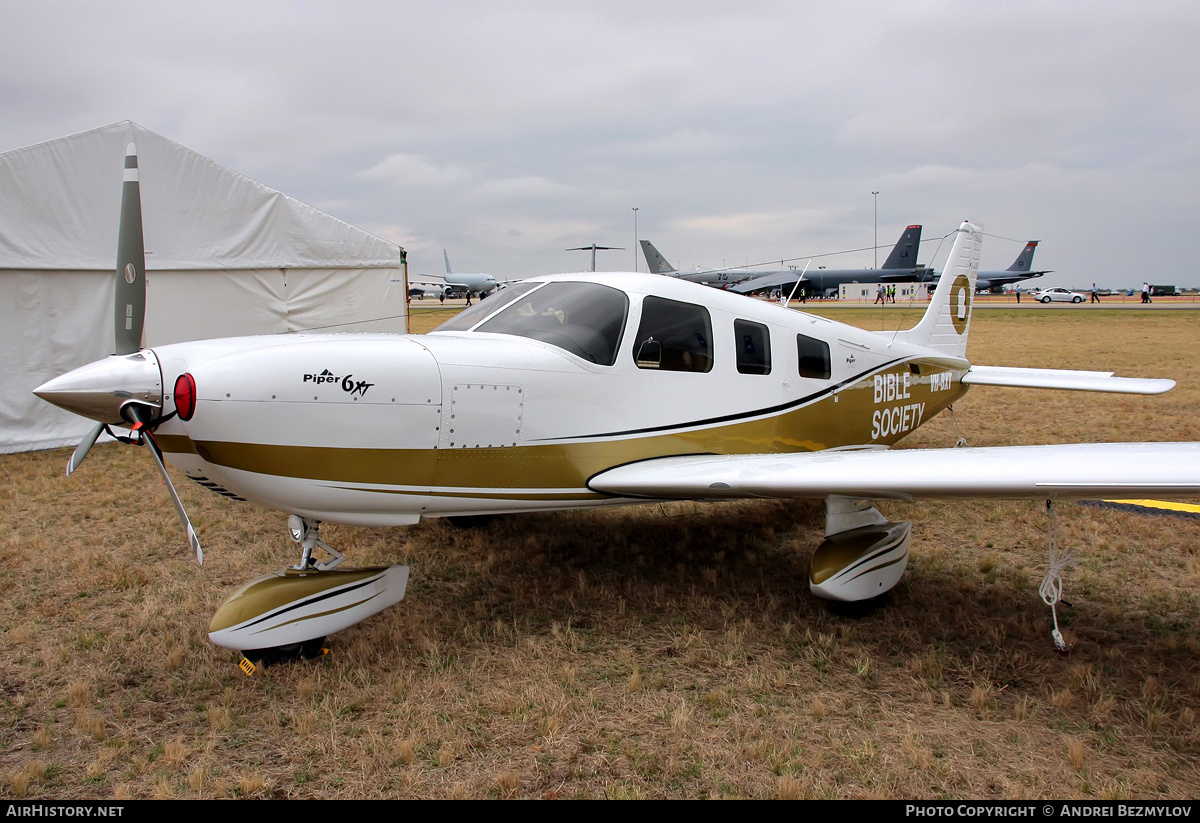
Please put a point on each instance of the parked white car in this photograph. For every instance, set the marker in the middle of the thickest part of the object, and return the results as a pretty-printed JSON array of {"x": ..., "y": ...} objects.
[{"x": 1059, "y": 295}]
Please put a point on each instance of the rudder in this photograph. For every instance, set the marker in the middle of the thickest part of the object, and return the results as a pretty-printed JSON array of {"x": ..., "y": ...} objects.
[
  {"x": 947, "y": 320},
  {"x": 655, "y": 262},
  {"x": 1024, "y": 261},
  {"x": 904, "y": 254}
]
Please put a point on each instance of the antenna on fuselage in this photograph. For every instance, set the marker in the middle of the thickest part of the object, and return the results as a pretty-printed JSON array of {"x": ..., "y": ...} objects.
[{"x": 796, "y": 285}]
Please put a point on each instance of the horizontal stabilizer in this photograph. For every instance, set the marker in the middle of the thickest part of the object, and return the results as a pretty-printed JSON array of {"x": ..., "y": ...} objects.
[
  {"x": 1066, "y": 379},
  {"x": 1073, "y": 471}
]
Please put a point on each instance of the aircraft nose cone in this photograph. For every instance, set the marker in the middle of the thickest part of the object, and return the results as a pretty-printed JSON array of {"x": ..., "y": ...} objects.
[{"x": 101, "y": 389}]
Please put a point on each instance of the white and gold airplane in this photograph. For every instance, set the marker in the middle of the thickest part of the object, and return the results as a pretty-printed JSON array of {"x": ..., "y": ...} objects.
[{"x": 575, "y": 391}]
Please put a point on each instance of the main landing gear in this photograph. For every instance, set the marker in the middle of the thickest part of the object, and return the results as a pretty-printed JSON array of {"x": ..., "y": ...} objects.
[{"x": 863, "y": 555}]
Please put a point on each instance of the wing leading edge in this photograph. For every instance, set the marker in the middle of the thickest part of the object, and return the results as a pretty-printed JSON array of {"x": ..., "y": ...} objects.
[
  {"x": 1070, "y": 379},
  {"x": 1079, "y": 470}
]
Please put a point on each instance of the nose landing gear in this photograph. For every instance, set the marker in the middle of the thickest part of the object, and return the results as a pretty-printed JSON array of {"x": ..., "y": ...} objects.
[
  {"x": 304, "y": 531},
  {"x": 286, "y": 615}
]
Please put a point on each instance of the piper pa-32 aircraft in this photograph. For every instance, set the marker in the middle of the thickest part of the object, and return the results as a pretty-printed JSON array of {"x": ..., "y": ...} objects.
[{"x": 575, "y": 391}]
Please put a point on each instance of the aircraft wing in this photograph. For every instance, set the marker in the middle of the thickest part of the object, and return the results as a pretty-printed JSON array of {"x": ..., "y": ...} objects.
[
  {"x": 1080, "y": 470},
  {"x": 1064, "y": 379},
  {"x": 434, "y": 284},
  {"x": 766, "y": 281}
]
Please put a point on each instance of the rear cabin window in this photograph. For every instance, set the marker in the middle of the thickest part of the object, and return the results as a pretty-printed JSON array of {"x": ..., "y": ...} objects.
[
  {"x": 673, "y": 336},
  {"x": 813, "y": 357},
  {"x": 753, "y": 342}
]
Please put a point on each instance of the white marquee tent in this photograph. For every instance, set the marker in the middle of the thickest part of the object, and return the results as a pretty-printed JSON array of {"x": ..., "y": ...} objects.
[{"x": 225, "y": 255}]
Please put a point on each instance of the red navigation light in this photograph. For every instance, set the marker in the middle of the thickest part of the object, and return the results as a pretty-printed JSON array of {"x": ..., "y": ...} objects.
[{"x": 185, "y": 396}]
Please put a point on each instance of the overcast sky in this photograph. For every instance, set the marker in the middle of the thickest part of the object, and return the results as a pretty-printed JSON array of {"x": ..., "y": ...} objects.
[{"x": 743, "y": 132}]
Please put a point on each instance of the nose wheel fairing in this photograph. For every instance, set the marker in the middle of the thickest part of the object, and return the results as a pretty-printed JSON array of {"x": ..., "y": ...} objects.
[{"x": 295, "y": 606}]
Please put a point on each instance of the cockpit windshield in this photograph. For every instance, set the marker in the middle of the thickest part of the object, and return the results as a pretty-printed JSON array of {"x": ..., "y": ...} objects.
[
  {"x": 584, "y": 319},
  {"x": 468, "y": 317}
]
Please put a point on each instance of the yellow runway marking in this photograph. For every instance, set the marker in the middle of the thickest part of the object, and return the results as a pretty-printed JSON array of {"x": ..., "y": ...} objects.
[{"x": 1151, "y": 506}]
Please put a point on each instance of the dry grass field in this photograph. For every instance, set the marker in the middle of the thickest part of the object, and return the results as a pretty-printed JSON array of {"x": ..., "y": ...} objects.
[{"x": 649, "y": 652}]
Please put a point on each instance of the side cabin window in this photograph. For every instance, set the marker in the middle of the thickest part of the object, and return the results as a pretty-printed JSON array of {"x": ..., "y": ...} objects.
[
  {"x": 813, "y": 357},
  {"x": 673, "y": 336},
  {"x": 753, "y": 342},
  {"x": 584, "y": 319}
]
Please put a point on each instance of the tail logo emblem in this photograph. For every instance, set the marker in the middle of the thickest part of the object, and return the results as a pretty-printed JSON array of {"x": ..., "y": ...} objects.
[
  {"x": 130, "y": 273},
  {"x": 960, "y": 301}
]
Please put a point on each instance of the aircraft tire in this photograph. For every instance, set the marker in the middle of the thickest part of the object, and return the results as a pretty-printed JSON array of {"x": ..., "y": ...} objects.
[
  {"x": 470, "y": 521},
  {"x": 306, "y": 650}
]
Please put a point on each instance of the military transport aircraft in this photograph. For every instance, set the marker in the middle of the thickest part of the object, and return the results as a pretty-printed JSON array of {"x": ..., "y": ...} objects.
[
  {"x": 477, "y": 283},
  {"x": 574, "y": 391},
  {"x": 900, "y": 267},
  {"x": 721, "y": 278},
  {"x": 1020, "y": 270}
]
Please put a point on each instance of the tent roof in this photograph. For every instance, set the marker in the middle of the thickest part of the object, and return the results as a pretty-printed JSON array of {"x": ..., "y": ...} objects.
[{"x": 60, "y": 205}]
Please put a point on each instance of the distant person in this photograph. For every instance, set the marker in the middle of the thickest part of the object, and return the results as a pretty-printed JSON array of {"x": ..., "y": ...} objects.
[
  {"x": 1095, "y": 294},
  {"x": 468, "y": 299},
  {"x": 879, "y": 294},
  {"x": 1017, "y": 289},
  {"x": 1146, "y": 293},
  {"x": 442, "y": 297},
  {"x": 803, "y": 296}
]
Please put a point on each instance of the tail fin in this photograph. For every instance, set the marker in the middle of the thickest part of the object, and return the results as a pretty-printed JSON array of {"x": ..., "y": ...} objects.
[
  {"x": 904, "y": 255},
  {"x": 655, "y": 261},
  {"x": 948, "y": 318},
  {"x": 447, "y": 261},
  {"x": 1024, "y": 260}
]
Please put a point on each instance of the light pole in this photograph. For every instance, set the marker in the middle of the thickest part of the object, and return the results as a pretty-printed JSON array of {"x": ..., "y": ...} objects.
[
  {"x": 876, "y": 243},
  {"x": 635, "y": 239}
]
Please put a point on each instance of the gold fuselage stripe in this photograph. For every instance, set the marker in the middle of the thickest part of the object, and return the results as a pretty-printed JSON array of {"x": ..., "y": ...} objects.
[
  {"x": 266, "y": 594},
  {"x": 842, "y": 417}
]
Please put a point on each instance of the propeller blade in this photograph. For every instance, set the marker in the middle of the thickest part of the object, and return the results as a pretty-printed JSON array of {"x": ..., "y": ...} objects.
[
  {"x": 85, "y": 446},
  {"x": 131, "y": 262},
  {"x": 193, "y": 541}
]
